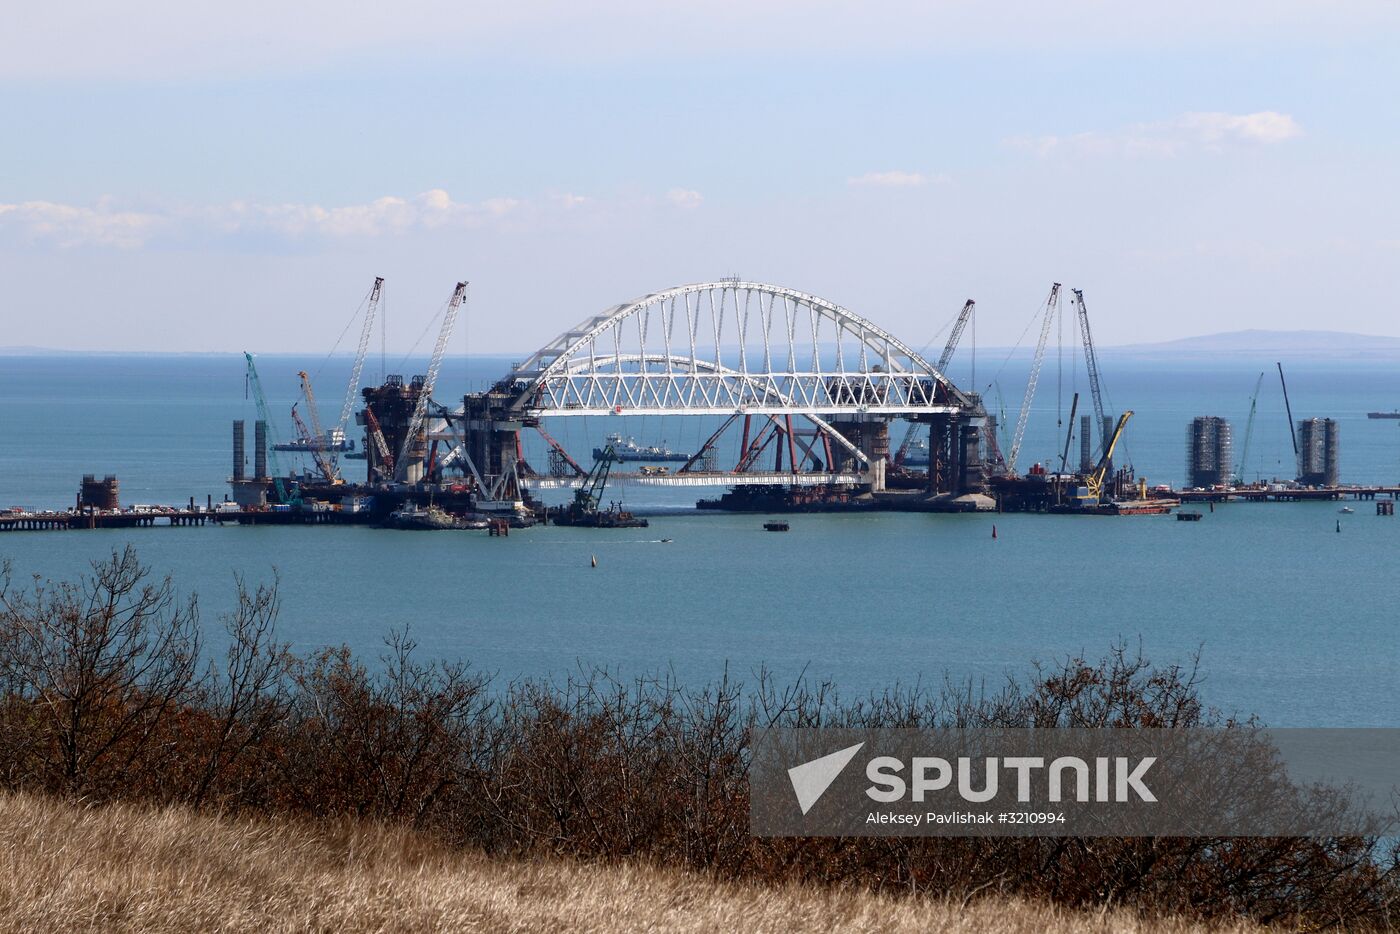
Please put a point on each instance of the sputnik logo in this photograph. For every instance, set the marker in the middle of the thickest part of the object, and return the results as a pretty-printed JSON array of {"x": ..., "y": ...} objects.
[{"x": 810, "y": 780}]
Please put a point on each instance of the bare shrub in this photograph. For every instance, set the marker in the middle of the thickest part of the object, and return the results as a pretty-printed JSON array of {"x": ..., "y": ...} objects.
[
  {"x": 388, "y": 744},
  {"x": 104, "y": 695},
  {"x": 98, "y": 664}
]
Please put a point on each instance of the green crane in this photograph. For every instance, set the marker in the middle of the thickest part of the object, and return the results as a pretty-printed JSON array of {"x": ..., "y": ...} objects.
[
  {"x": 285, "y": 493},
  {"x": 1248, "y": 432},
  {"x": 588, "y": 497}
]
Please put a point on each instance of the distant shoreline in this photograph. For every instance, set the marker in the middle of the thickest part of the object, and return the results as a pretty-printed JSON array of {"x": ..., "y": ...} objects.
[{"x": 1285, "y": 344}]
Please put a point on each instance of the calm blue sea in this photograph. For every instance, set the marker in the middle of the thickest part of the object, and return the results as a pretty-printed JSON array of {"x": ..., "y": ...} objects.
[{"x": 1292, "y": 620}]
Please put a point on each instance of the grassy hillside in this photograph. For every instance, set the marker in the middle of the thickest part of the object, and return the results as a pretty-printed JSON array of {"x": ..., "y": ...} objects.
[
  {"x": 108, "y": 698},
  {"x": 121, "y": 867}
]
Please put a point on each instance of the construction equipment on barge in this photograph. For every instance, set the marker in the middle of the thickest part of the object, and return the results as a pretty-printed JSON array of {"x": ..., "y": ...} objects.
[
  {"x": 586, "y": 511},
  {"x": 1092, "y": 499}
]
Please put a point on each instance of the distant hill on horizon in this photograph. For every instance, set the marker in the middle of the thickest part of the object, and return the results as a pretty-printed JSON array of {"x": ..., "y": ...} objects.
[{"x": 1315, "y": 343}]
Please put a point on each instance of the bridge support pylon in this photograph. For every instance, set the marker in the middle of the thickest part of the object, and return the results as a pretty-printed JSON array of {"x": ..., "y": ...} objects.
[
  {"x": 491, "y": 442},
  {"x": 872, "y": 435},
  {"x": 955, "y": 454}
]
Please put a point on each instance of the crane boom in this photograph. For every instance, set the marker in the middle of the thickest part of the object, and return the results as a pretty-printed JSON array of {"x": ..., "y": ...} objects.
[
  {"x": 348, "y": 407},
  {"x": 420, "y": 410},
  {"x": 589, "y": 496},
  {"x": 1248, "y": 430},
  {"x": 959, "y": 326},
  {"x": 318, "y": 441},
  {"x": 381, "y": 447},
  {"x": 266, "y": 417},
  {"x": 1292, "y": 432},
  {"x": 1091, "y": 362},
  {"x": 1052, "y": 305},
  {"x": 1069, "y": 435},
  {"x": 1095, "y": 479}
]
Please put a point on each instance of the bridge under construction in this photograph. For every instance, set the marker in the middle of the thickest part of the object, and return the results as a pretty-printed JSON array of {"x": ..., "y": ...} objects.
[{"x": 806, "y": 388}]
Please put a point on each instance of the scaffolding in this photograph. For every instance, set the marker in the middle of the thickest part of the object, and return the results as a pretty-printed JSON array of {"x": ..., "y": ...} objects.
[
  {"x": 1210, "y": 452},
  {"x": 1318, "y": 452},
  {"x": 1086, "y": 444}
]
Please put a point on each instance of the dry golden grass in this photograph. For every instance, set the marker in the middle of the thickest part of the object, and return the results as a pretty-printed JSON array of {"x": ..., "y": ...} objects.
[{"x": 125, "y": 868}]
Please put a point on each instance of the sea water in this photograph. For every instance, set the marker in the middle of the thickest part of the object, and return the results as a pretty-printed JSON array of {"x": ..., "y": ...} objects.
[{"x": 1291, "y": 619}]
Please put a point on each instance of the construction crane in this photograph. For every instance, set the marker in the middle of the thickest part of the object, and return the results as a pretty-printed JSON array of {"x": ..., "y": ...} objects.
[
  {"x": 954, "y": 336},
  {"x": 1069, "y": 435},
  {"x": 958, "y": 327},
  {"x": 589, "y": 496},
  {"x": 285, "y": 494},
  {"x": 381, "y": 447},
  {"x": 353, "y": 389},
  {"x": 996, "y": 461},
  {"x": 584, "y": 510},
  {"x": 319, "y": 443},
  {"x": 1094, "y": 481},
  {"x": 1052, "y": 307},
  {"x": 420, "y": 410},
  {"x": 303, "y": 433},
  {"x": 1091, "y": 363},
  {"x": 1292, "y": 432},
  {"x": 1248, "y": 431}
]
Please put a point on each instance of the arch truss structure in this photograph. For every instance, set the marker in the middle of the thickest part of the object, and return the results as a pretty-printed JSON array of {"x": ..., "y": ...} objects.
[
  {"x": 810, "y": 387},
  {"x": 726, "y": 347}
]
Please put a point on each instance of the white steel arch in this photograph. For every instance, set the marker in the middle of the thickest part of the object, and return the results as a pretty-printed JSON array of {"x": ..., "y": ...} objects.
[{"x": 717, "y": 348}]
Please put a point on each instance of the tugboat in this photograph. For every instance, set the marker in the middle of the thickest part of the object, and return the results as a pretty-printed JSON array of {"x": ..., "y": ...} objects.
[
  {"x": 432, "y": 518},
  {"x": 627, "y": 449}
]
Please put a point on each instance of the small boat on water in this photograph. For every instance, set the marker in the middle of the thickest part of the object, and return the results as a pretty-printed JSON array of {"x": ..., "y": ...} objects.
[
  {"x": 775, "y": 527},
  {"x": 917, "y": 454},
  {"x": 431, "y": 518},
  {"x": 627, "y": 449},
  {"x": 1346, "y": 510},
  {"x": 333, "y": 440},
  {"x": 1188, "y": 517}
]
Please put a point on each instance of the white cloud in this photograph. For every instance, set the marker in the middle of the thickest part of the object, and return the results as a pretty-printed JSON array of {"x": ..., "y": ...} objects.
[
  {"x": 105, "y": 224},
  {"x": 895, "y": 179},
  {"x": 1212, "y": 131},
  {"x": 69, "y": 225},
  {"x": 684, "y": 198},
  {"x": 1266, "y": 126}
]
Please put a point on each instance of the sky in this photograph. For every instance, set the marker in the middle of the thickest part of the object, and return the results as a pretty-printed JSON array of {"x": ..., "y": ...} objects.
[{"x": 187, "y": 176}]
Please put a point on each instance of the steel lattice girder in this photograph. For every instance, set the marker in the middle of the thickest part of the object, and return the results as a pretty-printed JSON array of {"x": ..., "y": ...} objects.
[{"x": 649, "y": 357}]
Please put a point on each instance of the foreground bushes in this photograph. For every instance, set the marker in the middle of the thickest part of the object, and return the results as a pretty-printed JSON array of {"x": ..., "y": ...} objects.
[{"x": 106, "y": 692}]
